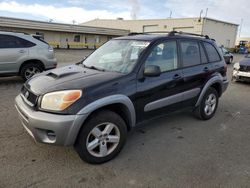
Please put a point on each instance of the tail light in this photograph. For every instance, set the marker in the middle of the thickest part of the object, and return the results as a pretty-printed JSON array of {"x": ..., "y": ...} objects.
[
  {"x": 225, "y": 70},
  {"x": 51, "y": 49}
]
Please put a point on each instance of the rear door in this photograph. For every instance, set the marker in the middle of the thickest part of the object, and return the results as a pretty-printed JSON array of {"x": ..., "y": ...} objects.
[
  {"x": 195, "y": 69},
  {"x": 12, "y": 50}
]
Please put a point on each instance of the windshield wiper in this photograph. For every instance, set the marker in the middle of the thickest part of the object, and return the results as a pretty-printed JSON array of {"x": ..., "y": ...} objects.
[{"x": 94, "y": 67}]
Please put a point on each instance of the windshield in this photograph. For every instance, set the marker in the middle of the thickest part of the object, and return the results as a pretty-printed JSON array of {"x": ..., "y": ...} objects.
[{"x": 116, "y": 56}]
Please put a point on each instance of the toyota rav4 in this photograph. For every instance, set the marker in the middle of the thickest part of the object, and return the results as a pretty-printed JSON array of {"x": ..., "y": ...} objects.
[{"x": 128, "y": 80}]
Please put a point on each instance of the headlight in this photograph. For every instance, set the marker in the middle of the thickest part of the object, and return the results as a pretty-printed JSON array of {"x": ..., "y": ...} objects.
[
  {"x": 236, "y": 66},
  {"x": 60, "y": 100}
]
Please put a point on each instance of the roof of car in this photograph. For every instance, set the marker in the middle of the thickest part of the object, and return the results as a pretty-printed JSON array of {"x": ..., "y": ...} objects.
[
  {"x": 153, "y": 36},
  {"x": 147, "y": 37}
]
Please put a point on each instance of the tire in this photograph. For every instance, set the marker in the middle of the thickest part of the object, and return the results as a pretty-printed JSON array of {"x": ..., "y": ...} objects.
[
  {"x": 93, "y": 134},
  {"x": 203, "y": 111},
  {"x": 29, "y": 70}
]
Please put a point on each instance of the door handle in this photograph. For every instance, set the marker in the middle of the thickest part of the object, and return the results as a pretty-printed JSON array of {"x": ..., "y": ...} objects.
[
  {"x": 176, "y": 76},
  {"x": 206, "y": 69},
  {"x": 22, "y": 51}
]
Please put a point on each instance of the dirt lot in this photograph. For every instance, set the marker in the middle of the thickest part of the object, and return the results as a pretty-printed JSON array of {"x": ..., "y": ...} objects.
[{"x": 174, "y": 151}]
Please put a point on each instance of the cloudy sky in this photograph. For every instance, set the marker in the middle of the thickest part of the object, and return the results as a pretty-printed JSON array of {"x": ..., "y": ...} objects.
[{"x": 66, "y": 11}]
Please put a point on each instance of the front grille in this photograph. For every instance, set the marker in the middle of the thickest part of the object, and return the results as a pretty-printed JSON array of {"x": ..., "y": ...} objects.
[
  {"x": 29, "y": 96},
  {"x": 244, "y": 68}
]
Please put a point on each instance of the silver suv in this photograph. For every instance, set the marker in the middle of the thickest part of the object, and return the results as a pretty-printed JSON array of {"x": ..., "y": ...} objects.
[{"x": 24, "y": 55}]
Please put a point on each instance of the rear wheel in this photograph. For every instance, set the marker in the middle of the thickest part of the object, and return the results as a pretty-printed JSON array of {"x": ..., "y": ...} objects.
[
  {"x": 102, "y": 137},
  {"x": 208, "y": 105},
  {"x": 29, "y": 70}
]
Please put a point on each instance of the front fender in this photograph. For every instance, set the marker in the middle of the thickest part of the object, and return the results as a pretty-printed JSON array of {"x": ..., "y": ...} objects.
[
  {"x": 84, "y": 113},
  {"x": 113, "y": 99}
]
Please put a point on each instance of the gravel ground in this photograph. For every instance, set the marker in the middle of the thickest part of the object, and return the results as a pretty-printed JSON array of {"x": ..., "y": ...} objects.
[
  {"x": 173, "y": 151},
  {"x": 70, "y": 56}
]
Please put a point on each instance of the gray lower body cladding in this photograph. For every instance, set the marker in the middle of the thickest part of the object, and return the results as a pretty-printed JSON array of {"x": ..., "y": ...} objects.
[{"x": 49, "y": 128}]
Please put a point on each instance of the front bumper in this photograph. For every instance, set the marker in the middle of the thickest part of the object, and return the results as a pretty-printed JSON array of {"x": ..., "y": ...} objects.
[
  {"x": 241, "y": 76},
  {"x": 49, "y": 128}
]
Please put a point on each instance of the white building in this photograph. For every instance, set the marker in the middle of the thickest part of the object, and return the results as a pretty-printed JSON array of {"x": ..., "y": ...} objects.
[
  {"x": 223, "y": 32},
  {"x": 62, "y": 35}
]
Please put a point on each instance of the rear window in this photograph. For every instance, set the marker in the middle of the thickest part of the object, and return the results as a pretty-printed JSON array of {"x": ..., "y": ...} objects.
[
  {"x": 9, "y": 41},
  {"x": 213, "y": 55},
  {"x": 190, "y": 53}
]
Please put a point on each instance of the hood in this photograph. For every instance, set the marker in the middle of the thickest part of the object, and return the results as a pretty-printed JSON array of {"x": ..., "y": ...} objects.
[
  {"x": 69, "y": 77},
  {"x": 245, "y": 61}
]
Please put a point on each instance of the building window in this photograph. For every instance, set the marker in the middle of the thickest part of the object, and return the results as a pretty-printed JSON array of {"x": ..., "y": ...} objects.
[
  {"x": 109, "y": 37},
  {"x": 41, "y": 35},
  {"x": 97, "y": 39},
  {"x": 77, "y": 38}
]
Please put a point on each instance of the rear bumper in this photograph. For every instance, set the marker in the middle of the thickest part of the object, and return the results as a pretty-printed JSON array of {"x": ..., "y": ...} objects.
[
  {"x": 50, "y": 64},
  {"x": 225, "y": 84},
  {"x": 49, "y": 128}
]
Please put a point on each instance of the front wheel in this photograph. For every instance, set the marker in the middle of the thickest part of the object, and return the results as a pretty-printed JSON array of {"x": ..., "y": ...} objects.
[
  {"x": 208, "y": 105},
  {"x": 102, "y": 137}
]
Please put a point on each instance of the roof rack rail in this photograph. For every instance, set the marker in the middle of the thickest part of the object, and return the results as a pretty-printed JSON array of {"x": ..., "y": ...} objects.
[
  {"x": 149, "y": 32},
  {"x": 172, "y": 33},
  {"x": 134, "y": 33}
]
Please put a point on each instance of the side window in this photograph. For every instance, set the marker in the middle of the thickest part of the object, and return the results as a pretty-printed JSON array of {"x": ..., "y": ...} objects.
[
  {"x": 1, "y": 41},
  {"x": 24, "y": 43},
  {"x": 190, "y": 53},
  {"x": 164, "y": 55},
  {"x": 77, "y": 38},
  {"x": 203, "y": 55},
  {"x": 8, "y": 41},
  {"x": 212, "y": 53}
]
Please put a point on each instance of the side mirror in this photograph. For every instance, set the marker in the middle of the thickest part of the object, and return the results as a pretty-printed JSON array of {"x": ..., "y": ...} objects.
[
  {"x": 152, "y": 71},
  {"x": 80, "y": 62}
]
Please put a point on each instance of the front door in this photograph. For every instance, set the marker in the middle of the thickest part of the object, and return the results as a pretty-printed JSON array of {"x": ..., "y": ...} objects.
[{"x": 157, "y": 95}]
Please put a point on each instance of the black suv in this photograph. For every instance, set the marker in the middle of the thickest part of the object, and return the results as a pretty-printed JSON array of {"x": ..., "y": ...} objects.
[{"x": 128, "y": 80}]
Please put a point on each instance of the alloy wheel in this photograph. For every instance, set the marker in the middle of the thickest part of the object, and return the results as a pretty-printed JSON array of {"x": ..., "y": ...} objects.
[
  {"x": 31, "y": 72},
  {"x": 103, "y": 139},
  {"x": 210, "y": 104}
]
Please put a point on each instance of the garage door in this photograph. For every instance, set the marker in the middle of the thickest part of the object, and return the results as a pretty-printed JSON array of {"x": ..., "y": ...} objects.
[
  {"x": 184, "y": 29},
  {"x": 150, "y": 28}
]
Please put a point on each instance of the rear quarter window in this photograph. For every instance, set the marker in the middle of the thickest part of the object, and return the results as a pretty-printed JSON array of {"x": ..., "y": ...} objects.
[
  {"x": 40, "y": 39},
  {"x": 213, "y": 55}
]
